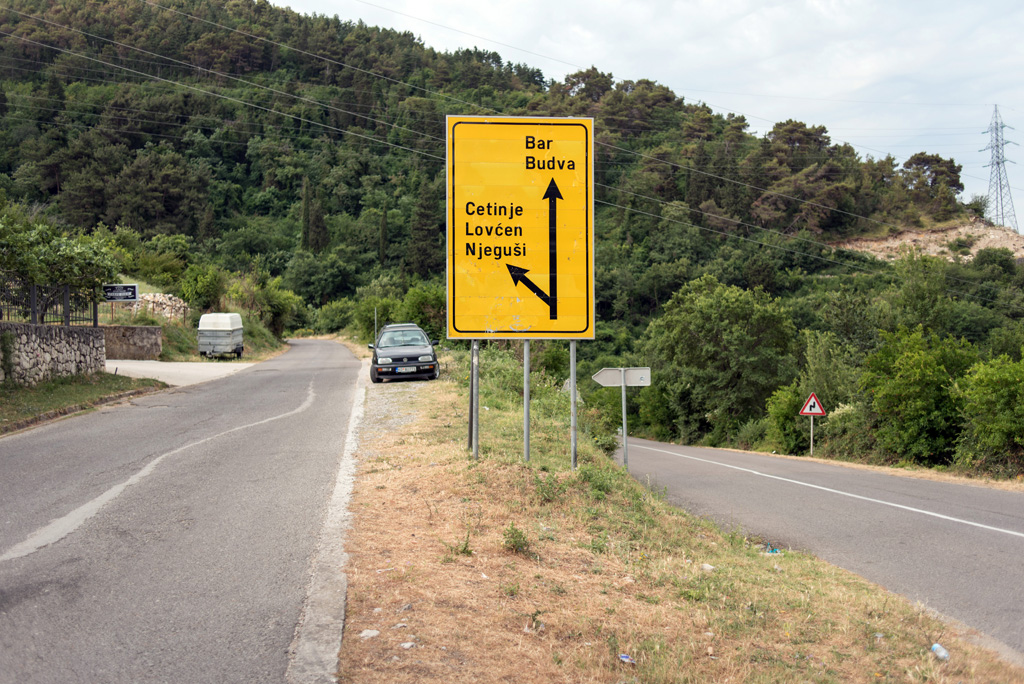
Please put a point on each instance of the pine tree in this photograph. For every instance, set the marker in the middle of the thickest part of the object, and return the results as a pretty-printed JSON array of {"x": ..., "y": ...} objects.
[
  {"x": 425, "y": 254},
  {"x": 382, "y": 235},
  {"x": 304, "y": 240}
]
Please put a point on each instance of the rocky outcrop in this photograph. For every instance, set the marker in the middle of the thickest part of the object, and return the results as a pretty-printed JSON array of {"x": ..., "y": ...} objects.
[{"x": 157, "y": 304}]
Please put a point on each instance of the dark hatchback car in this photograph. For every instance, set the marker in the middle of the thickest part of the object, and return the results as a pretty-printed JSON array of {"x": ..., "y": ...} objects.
[{"x": 403, "y": 350}]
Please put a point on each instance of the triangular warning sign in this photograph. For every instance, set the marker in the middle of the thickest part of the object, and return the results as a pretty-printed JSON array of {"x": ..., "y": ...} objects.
[{"x": 812, "y": 407}]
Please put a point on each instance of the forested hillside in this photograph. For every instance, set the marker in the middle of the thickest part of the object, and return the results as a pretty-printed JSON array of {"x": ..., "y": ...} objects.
[{"x": 295, "y": 165}]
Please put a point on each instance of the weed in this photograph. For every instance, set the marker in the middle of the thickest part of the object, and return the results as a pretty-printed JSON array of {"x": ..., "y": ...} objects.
[
  {"x": 515, "y": 540},
  {"x": 462, "y": 548},
  {"x": 600, "y": 481},
  {"x": 510, "y": 589},
  {"x": 549, "y": 488}
]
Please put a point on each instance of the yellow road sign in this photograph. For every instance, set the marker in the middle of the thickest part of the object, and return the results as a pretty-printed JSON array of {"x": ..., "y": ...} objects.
[{"x": 520, "y": 227}]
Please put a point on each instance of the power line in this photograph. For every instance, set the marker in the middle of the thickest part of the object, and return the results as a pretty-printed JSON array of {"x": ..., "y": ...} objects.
[
  {"x": 217, "y": 73},
  {"x": 225, "y": 97},
  {"x": 447, "y": 97},
  {"x": 421, "y": 152}
]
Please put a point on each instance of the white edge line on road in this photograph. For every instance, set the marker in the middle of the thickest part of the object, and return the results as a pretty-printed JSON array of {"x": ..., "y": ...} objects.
[
  {"x": 314, "y": 648},
  {"x": 63, "y": 526},
  {"x": 836, "y": 491}
]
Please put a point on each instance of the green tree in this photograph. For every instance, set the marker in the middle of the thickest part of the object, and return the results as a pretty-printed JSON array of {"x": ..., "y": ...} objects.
[
  {"x": 425, "y": 255},
  {"x": 425, "y": 305},
  {"x": 909, "y": 380},
  {"x": 720, "y": 351},
  {"x": 992, "y": 396},
  {"x": 203, "y": 286},
  {"x": 926, "y": 172},
  {"x": 39, "y": 253}
]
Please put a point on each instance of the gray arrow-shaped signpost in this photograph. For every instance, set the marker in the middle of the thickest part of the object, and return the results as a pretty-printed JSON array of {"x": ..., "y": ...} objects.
[{"x": 616, "y": 377}]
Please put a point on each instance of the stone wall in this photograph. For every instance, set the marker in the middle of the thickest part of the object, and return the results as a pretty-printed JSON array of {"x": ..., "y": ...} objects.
[
  {"x": 140, "y": 342},
  {"x": 44, "y": 352},
  {"x": 163, "y": 305}
]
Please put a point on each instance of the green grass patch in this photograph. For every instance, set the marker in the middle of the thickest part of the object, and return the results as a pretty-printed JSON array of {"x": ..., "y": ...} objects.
[{"x": 18, "y": 404}]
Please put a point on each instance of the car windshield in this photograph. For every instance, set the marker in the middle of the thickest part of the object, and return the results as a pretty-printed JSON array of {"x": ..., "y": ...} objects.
[{"x": 403, "y": 338}]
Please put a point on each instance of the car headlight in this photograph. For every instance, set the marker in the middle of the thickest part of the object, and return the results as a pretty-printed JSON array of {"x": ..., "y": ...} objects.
[
  {"x": 383, "y": 360},
  {"x": 427, "y": 357}
]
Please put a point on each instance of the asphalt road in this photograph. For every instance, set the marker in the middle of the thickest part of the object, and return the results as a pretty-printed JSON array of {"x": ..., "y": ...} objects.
[
  {"x": 173, "y": 538},
  {"x": 958, "y": 549}
]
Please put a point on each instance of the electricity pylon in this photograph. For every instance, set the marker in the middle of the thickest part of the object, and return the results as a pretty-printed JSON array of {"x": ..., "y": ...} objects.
[{"x": 1000, "y": 201}]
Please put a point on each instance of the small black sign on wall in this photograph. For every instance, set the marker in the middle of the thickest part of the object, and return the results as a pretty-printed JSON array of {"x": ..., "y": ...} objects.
[{"x": 121, "y": 293}]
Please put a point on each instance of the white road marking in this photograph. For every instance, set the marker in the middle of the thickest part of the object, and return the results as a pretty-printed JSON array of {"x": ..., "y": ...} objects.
[
  {"x": 838, "y": 491},
  {"x": 62, "y": 527}
]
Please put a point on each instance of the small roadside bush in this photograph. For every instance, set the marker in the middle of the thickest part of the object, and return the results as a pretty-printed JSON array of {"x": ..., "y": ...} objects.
[
  {"x": 515, "y": 540},
  {"x": 334, "y": 316},
  {"x": 848, "y": 433},
  {"x": 787, "y": 430},
  {"x": 752, "y": 433}
]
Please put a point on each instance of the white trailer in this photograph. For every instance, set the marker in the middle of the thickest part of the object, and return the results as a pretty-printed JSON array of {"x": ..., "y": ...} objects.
[{"x": 220, "y": 333}]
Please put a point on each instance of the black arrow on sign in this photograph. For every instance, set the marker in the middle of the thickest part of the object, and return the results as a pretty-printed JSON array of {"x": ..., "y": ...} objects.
[
  {"x": 519, "y": 274},
  {"x": 552, "y": 195}
]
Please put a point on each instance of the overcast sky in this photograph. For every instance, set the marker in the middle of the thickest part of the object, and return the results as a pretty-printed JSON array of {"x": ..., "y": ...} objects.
[{"x": 894, "y": 77}]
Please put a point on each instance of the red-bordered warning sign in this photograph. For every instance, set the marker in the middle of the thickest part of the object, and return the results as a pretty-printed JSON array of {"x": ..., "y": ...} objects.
[{"x": 812, "y": 407}]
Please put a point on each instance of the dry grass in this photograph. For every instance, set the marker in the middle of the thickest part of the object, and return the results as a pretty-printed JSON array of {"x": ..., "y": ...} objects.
[{"x": 609, "y": 569}]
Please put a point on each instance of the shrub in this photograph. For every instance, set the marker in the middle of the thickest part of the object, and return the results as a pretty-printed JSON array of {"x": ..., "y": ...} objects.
[
  {"x": 909, "y": 379},
  {"x": 787, "y": 430},
  {"x": 334, "y": 316},
  {"x": 515, "y": 540},
  {"x": 202, "y": 286},
  {"x": 752, "y": 433},
  {"x": 848, "y": 433},
  {"x": 371, "y": 311},
  {"x": 425, "y": 305},
  {"x": 993, "y": 411}
]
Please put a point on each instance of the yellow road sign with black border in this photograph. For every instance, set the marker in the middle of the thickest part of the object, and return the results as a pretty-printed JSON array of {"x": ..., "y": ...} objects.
[{"x": 520, "y": 227}]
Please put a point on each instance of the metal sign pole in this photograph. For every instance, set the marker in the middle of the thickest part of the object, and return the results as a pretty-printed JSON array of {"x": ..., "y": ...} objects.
[
  {"x": 526, "y": 400},
  {"x": 475, "y": 400},
  {"x": 572, "y": 402},
  {"x": 472, "y": 370},
  {"x": 812, "y": 435},
  {"x": 625, "y": 432}
]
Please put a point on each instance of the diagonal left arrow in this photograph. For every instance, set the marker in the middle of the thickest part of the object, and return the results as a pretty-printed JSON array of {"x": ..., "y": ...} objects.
[{"x": 519, "y": 276}]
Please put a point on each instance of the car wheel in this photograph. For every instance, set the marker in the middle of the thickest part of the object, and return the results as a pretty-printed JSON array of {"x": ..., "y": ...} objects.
[
  {"x": 374, "y": 377},
  {"x": 437, "y": 372}
]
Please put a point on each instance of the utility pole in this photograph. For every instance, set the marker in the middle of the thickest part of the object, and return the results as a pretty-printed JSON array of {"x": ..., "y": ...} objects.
[{"x": 1000, "y": 200}]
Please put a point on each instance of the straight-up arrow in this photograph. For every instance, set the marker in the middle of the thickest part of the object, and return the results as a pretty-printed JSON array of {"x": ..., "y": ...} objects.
[{"x": 552, "y": 195}]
